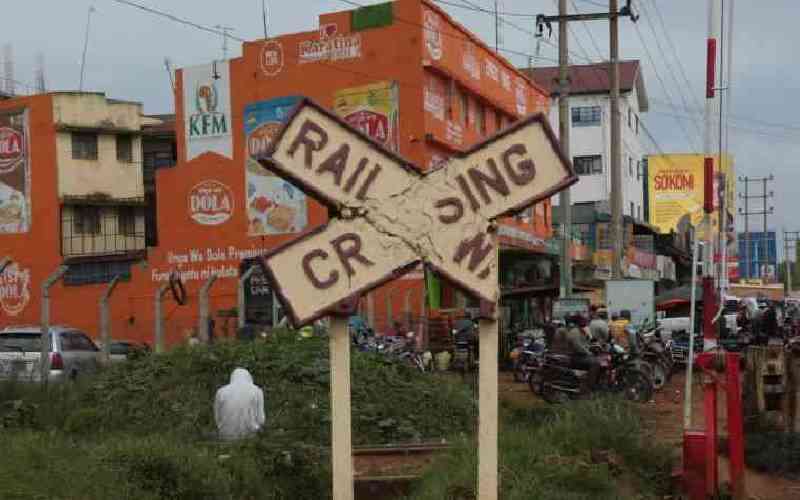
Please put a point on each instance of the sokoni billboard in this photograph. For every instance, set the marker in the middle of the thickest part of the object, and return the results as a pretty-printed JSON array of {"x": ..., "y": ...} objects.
[{"x": 391, "y": 216}]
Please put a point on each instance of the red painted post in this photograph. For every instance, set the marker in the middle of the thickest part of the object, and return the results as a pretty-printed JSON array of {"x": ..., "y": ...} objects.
[
  {"x": 694, "y": 469},
  {"x": 711, "y": 67},
  {"x": 735, "y": 425},
  {"x": 710, "y": 411}
]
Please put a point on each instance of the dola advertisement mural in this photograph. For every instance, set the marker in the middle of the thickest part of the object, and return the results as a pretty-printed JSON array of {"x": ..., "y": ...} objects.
[
  {"x": 14, "y": 173},
  {"x": 274, "y": 206},
  {"x": 372, "y": 109}
]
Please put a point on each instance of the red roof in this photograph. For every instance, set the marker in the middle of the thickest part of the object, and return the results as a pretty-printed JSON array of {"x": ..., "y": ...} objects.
[{"x": 587, "y": 78}]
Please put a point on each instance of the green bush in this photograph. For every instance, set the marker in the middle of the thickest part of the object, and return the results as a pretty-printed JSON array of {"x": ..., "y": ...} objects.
[
  {"x": 774, "y": 452},
  {"x": 584, "y": 450}
]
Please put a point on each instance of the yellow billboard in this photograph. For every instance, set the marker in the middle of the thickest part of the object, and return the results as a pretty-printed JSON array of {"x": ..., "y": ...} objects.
[{"x": 675, "y": 188}]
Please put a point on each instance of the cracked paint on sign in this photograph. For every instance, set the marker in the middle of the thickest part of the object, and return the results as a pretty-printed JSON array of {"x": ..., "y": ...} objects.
[{"x": 390, "y": 216}]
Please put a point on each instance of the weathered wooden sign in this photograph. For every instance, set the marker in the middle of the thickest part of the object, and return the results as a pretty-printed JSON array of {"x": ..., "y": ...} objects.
[{"x": 388, "y": 216}]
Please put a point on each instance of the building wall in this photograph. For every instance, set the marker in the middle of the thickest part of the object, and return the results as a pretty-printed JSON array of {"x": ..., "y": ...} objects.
[
  {"x": 197, "y": 250},
  {"x": 596, "y": 140},
  {"x": 106, "y": 176}
]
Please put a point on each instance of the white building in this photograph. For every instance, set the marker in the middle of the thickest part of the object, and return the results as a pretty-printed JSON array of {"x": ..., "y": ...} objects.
[{"x": 590, "y": 134}]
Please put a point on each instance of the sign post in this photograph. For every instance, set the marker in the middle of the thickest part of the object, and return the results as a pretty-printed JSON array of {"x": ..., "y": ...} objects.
[
  {"x": 387, "y": 217},
  {"x": 342, "y": 453}
]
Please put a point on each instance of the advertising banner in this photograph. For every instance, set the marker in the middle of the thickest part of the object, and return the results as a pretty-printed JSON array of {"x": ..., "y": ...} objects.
[
  {"x": 14, "y": 173},
  {"x": 372, "y": 109},
  {"x": 274, "y": 206},
  {"x": 675, "y": 184},
  {"x": 207, "y": 109}
]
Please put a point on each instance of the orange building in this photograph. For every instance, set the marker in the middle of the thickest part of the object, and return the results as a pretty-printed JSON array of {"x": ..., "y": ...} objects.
[{"x": 404, "y": 72}]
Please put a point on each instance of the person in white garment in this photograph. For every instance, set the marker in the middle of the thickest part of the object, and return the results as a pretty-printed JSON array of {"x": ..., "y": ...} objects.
[{"x": 239, "y": 407}]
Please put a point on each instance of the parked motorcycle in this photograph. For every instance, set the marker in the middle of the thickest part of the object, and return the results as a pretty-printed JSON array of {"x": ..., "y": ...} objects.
[
  {"x": 619, "y": 373},
  {"x": 464, "y": 334}
]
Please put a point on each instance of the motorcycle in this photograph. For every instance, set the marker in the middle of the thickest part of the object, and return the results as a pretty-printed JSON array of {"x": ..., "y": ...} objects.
[
  {"x": 464, "y": 333},
  {"x": 619, "y": 373},
  {"x": 526, "y": 356},
  {"x": 652, "y": 350}
]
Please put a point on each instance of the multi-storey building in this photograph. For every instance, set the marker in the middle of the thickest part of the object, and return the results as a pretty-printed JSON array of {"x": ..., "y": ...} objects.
[{"x": 590, "y": 133}]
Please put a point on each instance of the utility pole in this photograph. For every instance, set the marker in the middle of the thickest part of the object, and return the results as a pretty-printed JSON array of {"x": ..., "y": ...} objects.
[
  {"x": 789, "y": 238},
  {"x": 565, "y": 202},
  {"x": 746, "y": 213},
  {"x": 565, "y": 197}
]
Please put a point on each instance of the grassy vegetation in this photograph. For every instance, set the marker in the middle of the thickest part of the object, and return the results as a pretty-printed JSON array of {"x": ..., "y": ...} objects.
[
  {"x": 144, "y": 431},
  {"x": 773, "y": 452},
  {"x": 585, "y": 450}
]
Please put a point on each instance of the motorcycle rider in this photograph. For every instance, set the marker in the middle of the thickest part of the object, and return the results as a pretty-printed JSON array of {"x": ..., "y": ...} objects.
[
  {"x": 598, "y": 327},
  {"x": 573, "y": 342}
]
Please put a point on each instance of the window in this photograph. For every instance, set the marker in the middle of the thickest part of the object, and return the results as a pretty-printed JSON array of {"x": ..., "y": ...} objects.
[
  {"x": 126, "y": 221},
  {"x": 637, "y": 124},
  {"x": 586, "y": 116},
  {"x": 498, "y": 120},
  {"x": 639, "y": 212},
  {"x": 124, "y": 148},
  {"x": 633, "y": 212},
  {"x": 77, "y": 341},
  {"x": 588, "y": 165},
  {"x": 630, "y": 167},
  {"x": 463, "y": 106},
  {"x": 630, "y": 119},
  {"x": 86, "y": 219},
  {"x": 84, "y": 146},
  {"x": 482, "y": 119},
  {"x": 87, "y": 273}
]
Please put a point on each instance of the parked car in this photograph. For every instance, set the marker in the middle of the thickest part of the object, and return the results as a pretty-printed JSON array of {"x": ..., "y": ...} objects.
[
  {"x": 72, "y": 353},
  {"x": 121, "y": 350}
]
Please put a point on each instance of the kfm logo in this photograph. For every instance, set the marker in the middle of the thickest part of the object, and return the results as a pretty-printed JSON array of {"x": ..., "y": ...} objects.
[
  {"x": 15, "y": 289},
  {"x": 12, "y": 149},
  {"x": 206, "y": 121},
  {"x": 210, "y": 203}
]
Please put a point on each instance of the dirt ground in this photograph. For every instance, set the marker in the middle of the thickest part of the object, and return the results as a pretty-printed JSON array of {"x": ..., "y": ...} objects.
[{"x": 665, "y": 413}]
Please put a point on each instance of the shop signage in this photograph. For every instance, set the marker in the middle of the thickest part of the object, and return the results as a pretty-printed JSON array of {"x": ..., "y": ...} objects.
[
  {"x": 391, "y": 216},
  {"x": 12, "y": 149},
  {"x": 210, "y": 203},
  {"x": 372, "y": 109},
  {"x": 331, "y": 46},
  {"x": 206, "y": 104},
  {"x": 272, "y": 58},
  {"x": 15, "y": 289},
  {"x": 433, "y": 34},
  {"x": 14, "y": 173},
  {"x": 274, "y": 206}
]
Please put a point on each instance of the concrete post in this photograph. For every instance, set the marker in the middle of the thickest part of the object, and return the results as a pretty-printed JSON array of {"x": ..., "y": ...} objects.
[
  {"x": 240, "y": 295},
  {"x": 159, "y": 319},
  {"x": 44, "y": 360},
  {"x": 202, "y": 326},
  {"x": 105, "y": 318}
]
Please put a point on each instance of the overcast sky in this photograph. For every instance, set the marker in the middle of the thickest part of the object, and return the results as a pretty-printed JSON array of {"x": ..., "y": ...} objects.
[{"x": 127, "y": 47}]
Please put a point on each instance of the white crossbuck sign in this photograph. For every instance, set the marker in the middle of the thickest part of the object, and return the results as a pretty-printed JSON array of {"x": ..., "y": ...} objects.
[{"x": 387, "y": 216}]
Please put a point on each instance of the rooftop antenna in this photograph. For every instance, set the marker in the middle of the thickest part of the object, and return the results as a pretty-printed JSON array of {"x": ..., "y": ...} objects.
[
  {"x": 225, "y": 30},
  {"x": 8, "y": 69},
  {"x": 168, "y": 66},
  {"x": 264, "y": 17},
  {"x": 85, "y": 44},
  {"x": 40, "y": 83}
]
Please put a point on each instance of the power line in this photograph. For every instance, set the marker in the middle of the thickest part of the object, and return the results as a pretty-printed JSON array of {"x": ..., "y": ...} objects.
[
  {"x": 691, "y": 142},
  {"x": 675, "y": 54},
  {"x": 177, "y": 19},
  {"x": 669, "y": 68}
]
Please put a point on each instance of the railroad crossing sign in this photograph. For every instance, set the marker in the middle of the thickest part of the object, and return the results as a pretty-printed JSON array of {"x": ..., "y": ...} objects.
[{"x": 387, "y": 216}]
